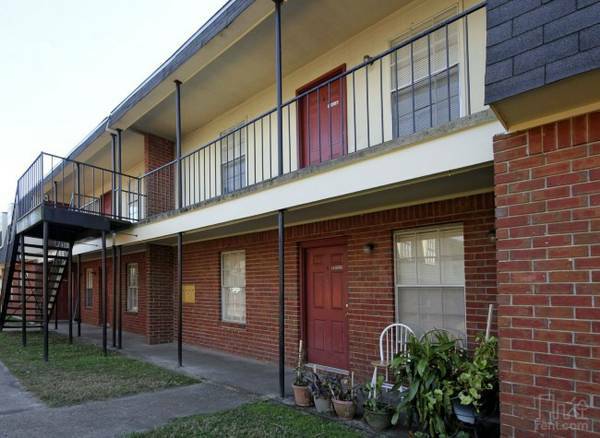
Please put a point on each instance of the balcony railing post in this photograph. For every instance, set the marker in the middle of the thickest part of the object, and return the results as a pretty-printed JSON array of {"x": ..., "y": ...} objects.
[
  {"x": 278, "y": 82},
  {"x": 113, "y": 180},
  {"x": 179, "y": 196}
]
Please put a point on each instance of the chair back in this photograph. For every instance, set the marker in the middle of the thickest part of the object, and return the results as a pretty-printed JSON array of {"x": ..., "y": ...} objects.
[{"x": 393, "y": 341}]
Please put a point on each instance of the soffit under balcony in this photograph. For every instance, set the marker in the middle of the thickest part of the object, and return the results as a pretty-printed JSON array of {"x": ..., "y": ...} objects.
[{"x": 309, "y": 29}]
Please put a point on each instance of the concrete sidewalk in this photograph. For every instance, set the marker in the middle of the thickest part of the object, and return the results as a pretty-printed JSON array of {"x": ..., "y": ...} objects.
[
  {"x": 13, "y": 397},
  {"x": 241, "y": 373},
  {"x": 111, "y": 418}
]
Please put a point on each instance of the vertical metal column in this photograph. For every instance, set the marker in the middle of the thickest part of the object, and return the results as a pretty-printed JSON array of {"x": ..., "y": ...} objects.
[
  {"x": 119, "y": 159},
  {"x": 278, "y": 86},
  {"x": 120, "y": 300},
  {"x": 179, "y": 235},
  {"x": 114, "y": 293},
  {"x": 281, "y": 250},
  {"x": 45, "y": 288},
  {"x": 70, "y": 291},
  {"x": 23, "y": 297},
  {"x": 79, "y": 295},
  {"x": 56, "y": 309},
  {"x": 104, "y": 298},
  {"x": 180, "y": 298},
  {"x": 280, "y": 214},
  {"x": 113, "y": 182}
]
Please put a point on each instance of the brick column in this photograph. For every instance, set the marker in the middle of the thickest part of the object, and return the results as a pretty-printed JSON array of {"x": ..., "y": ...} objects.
[
  {"x": 548, "y": 239},
  {"x": 159, "y": 277},
  {"x": 160, "y": 185}
]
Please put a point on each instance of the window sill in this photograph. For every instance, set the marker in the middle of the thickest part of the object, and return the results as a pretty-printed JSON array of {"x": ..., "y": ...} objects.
[{"x": 234, "y": 325}]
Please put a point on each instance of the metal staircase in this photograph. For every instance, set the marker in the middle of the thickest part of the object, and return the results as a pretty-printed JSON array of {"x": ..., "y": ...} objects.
[{"x": 30, "y": 306}]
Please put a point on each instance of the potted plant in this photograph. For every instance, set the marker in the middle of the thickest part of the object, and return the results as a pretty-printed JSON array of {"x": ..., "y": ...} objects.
[
  {"x": 429, "y": 370},
  {"x": 342, "y": 397},
  {"x": 377, "y": 412},
  {"x": 300, "y": 386},
  {"x": 320, "y": 389}
]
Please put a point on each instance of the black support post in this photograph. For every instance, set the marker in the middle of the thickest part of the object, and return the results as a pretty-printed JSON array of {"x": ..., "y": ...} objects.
[
  {"x": 113, "y": 150},
  {"x": 179, "y": 235},
  {"x": 114, "y": 293},
  {"x": 119, "y": 160},
  {"x": 45, "y": 288},
  {"x": 23, "y": 297},
  {"x": 70, "y": 291},
  {"x": 281, "y": 251},
  {"x": 180, "y": 298},
  {"x": 55, "y": 307},
  {"x": 78, "y": 295},
  {"x": 280, "y": 214},
  {"x": 120, "y": 300},
  {"x": 103, "y": 299},
  {"x": 278, "y": 86}
]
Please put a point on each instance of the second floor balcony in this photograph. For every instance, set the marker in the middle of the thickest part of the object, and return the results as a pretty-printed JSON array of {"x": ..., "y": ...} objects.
[{"x": 428, "y": 75}]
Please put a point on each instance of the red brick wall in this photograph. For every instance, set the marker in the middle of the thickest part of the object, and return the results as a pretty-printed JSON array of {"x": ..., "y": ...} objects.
[
  {"x": 160, "y": 185},
  {"x": 370, "y": 279},
  {"x": 548, "y": 229},
  {"x": 134, "y": 322},
  {"x": 160, "y": 289}
]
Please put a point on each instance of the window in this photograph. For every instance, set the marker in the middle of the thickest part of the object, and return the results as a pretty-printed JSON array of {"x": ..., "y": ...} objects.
[
  {"x": 89, "y": 287},
  {"x": 233, "y": 159},
  {"x": 132, "y": 287},
  {"x": 132, "y": 206},
  {"x": 233, "y": 286},
  {"x": 425, "y": 92},
  {"x": 430, "y": 279}
]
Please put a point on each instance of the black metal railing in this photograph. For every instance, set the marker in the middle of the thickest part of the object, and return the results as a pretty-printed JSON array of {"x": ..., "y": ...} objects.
[
  {"x": 64, "y": 183},
  {"x": 425, "y": 81}
]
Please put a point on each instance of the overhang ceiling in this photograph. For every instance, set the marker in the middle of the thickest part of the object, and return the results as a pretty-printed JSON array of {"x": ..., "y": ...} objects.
[{"x": 309, "y": 29}]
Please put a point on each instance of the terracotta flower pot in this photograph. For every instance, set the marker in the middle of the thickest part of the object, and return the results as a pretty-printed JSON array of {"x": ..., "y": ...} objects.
[
  {"x": 344, "y": 409},
  {"x": 302, "y": 395},
  {"x": 379, "y": 421}
]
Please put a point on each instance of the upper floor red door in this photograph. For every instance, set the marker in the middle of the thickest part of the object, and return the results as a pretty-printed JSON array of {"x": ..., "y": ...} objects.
[{"x": 322, "y": 119}]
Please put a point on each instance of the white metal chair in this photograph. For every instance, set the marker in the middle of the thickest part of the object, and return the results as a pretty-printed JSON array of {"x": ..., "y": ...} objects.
[{"x": 392, "y": 341}]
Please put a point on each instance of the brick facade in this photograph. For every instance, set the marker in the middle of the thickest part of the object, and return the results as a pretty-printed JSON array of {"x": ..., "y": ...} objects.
[
  {"x": 370, "y": 279},
  {"x": 160, "y": 185},
  {"x": 548, "y": 231}
]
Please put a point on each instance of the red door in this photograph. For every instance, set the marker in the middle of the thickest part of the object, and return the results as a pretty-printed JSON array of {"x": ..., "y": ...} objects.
[
  {"x": 107, "y": 204},
  {"x": 322, "y": 115},
  {"x": 326, "y": 306}
]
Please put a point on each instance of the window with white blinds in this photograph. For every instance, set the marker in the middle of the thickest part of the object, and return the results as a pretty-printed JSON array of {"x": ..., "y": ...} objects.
[
  {"x": 425, "y": 77},
  {"x": 233, "y": 286},
  {"x": 89, "y": 287},
  {"x": 233, "y": 159},
  {"x": 132, "y": 287},
  {"x": 430, "y": 279}
]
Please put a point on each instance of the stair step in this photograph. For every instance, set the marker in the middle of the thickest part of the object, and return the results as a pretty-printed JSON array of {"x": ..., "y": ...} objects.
[
  {"x": 50, "y": 256},
  {"x": 34, "y": 245}
]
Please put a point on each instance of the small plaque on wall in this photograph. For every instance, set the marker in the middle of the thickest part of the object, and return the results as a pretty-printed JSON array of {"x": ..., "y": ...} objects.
[{"x": 189, "y": 293}]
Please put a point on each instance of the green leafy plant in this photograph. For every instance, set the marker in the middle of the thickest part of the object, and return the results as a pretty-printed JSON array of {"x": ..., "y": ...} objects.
[
  {"x": 320, "y": 387},
  {"x": 341, "y": 389},
  {"x": 375, "y": 402},
  {"x": 479, "y": 375},
  {"x": 429, "y": 369}
]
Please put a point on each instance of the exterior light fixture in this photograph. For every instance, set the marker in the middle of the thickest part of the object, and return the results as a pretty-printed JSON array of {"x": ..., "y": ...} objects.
[
  {"x": 368, "y": 248},
  {"x": 492, "y": 235}
]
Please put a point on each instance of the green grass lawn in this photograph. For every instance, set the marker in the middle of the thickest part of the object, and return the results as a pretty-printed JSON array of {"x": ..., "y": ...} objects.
[
  {"x": 260, "y": 419},
  {"x": 79, "y": 372}
]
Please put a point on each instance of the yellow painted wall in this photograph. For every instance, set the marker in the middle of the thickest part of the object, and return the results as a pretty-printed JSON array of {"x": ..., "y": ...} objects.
[{"x": 203, "y": 171}]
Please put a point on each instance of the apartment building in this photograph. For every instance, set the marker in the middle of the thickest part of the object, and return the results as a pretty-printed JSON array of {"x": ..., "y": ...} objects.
[{"x": 316, "y": 170}]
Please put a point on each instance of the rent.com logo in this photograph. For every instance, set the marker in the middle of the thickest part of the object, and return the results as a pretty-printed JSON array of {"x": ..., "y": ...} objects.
[{"x": 556, "y": 416}]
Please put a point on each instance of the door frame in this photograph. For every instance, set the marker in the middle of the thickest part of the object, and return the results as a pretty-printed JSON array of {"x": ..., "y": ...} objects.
[
  {"x": 303, "y": 247},
  {"x": 344, "y": 114}
]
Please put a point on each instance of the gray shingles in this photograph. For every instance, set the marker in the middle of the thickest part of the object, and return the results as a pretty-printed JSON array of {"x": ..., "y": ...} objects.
[
  {"x": 574, "y": 22},
  {"x": 584, "y": 3},
  {"x": 589, "y": 38},
  {"x": 515, "y": 46},
  {"x": 542, "y": 15},
  {"x": 514, "y": 85},
  {"x": 509, "y": 10},
  {"x": 545, "y": 54},
  {"x": 499, "y": 33},
  {"x": 579, "y": 63},
  {"x": 498, "y": 71}
]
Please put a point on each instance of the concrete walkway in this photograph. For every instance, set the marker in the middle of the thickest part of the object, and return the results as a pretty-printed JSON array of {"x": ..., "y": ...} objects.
[
  {"x": 227, "y": 382},
  {"x": 119, "y": 416},
  {"x": 241, "y": 373}
]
